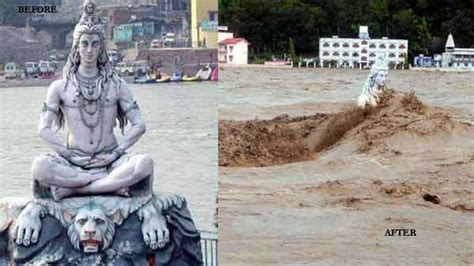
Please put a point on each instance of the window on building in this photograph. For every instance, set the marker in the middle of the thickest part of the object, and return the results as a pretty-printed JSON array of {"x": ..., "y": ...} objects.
[
  {"x": 335, "y": 54},
  {"x": 231, "y": 48},
  {"x": 372, "y": 45},
  {"x": 336, "y": 45},
  {"x": 392, "y": 46},
  {"x": 326, "y": 44},
  {"x": 355, "y": 54},
  {"x": 355, "y": 45},
  {"x": 382, "y": 46},
  {"x": 363, "y": 58},
  {"x": 391, "y": 55},
  {"x": 212, "y": 15},
  {"x": 231, "y": 58},
  {"x": 364, "y": 51},
  {"x": 402, "y": 46},
  {"x": 325, "y": 53},
  {"x": 345, "y": 45},
  {"x": 372, "y": 54},
  {"x": 364, "y": 42},
  {"x": 401, "y": 55},
  {"x": 345, "y": 54}
]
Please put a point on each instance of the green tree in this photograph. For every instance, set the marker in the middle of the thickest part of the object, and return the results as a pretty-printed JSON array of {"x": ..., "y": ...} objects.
[
  {"x": 268, "y": 24},
  {"x": 407, "y": 25}
]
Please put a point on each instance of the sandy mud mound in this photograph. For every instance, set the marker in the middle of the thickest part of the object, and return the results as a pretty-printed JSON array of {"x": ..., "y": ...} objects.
[
  {"x": 267, "y": 142},
  {"x": 286, "y": 140}
]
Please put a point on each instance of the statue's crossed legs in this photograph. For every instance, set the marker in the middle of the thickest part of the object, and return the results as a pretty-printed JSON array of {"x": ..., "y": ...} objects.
[{"x": 65, "y": 179}]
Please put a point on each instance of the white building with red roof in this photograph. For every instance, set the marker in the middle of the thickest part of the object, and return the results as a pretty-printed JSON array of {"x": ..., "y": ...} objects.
[{"x": 233, "y": 51}]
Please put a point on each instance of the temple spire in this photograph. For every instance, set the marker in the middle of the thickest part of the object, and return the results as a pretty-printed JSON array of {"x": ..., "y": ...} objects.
[{"x": 450, "y": 43}]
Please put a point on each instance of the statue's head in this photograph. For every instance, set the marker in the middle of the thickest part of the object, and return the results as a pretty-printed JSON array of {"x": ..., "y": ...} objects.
[
  {"x": 89, "y": 7},
  {"x": 378, "y": 72},
  {"x": 89, "y": 39},
  {"x": 89, "y": 48},
  {"x": 90, "y": 229},
  {"x": 380, "y": 78}
]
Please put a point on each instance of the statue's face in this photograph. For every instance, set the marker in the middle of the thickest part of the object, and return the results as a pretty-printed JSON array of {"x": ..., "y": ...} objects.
[
  {"x": 89, "y": 49},
  {"x": 90, "y": 7},
  {"x": 381, "y": 78}
]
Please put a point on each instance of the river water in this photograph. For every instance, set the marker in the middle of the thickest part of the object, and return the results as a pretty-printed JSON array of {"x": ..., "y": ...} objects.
[
  {"x": 181, "y": 137},
  {"x": 248, "y": 93}
]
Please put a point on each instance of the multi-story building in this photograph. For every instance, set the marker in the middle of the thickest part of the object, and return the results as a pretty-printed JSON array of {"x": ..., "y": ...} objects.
[
  {"x": 138, "y": 23},
  {"x": 361, "y": 52},
  {"x": 204, "y": 23},
  {"x": 233, "y": 51},
  {"x": 457, "y": 57}
]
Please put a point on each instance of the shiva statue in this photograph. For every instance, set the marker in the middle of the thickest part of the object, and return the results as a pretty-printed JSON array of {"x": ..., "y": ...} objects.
[
  {"x": 91, "y": 196},
  {"x": 375, "y": 83},
  {"x": 88, "y": 100}
]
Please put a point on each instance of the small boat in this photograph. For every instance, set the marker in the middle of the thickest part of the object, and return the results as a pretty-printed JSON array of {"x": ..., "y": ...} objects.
[
  {"x": 215, "y": 74},
  {"x": 176, "y": 76},
  {"x": 187, "y": 78},
  {"x": 143, "y": 80},
  {"x": 163, "y": 79},
  {"x": 205, "y": 72}
]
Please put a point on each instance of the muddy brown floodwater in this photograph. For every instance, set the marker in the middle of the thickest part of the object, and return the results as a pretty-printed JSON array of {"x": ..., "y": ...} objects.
[{"x": 307, "y": 178}]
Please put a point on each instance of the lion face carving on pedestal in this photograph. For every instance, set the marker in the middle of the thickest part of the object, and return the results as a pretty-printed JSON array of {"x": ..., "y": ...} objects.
[{"x": 90, "y": 229}]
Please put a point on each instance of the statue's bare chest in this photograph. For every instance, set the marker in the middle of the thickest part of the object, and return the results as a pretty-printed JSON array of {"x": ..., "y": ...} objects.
[{"x": 75, "y": 106}]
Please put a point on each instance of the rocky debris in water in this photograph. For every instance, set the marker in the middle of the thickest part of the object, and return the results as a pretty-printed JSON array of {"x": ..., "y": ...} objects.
[
  {"x": 412, "y": 104},
  {"x": 398, "y": 190},
  {"x": 432, "y": 198}
]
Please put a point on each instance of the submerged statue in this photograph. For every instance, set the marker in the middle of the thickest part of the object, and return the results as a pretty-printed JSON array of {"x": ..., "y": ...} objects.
[
  {"x": 91, "y": 185},
  {"x": 375, "y": 83}
]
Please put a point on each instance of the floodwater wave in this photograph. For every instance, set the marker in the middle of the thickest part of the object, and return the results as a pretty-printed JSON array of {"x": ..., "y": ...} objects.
[{"x": 286, "y": 140}]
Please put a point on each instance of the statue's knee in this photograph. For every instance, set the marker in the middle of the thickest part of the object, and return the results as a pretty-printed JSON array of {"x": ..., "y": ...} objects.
[
  {"x": 144, "y": 166},
  {"x": 39, "y": 168}
]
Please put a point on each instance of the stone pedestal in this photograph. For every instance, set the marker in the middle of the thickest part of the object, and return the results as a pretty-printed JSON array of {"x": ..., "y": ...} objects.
[{"x": 115, "y": 226}]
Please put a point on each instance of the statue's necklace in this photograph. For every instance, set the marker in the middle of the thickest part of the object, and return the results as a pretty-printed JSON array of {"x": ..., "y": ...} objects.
[
  {"x": 88, "y": 87},
  {"x": 90, "y": 95},
  {"x": 92, "y": 103}
]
